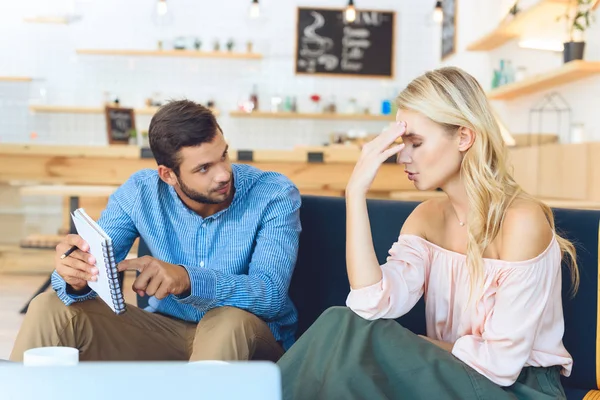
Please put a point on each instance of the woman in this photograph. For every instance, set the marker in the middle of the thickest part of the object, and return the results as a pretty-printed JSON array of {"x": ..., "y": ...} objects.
[{"x": 486, "y": 258}]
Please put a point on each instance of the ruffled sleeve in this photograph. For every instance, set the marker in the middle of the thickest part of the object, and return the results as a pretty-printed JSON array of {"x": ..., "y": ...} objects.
[
  {"x": 509, "y": 332},
  {"x": 402, "y": 284}
]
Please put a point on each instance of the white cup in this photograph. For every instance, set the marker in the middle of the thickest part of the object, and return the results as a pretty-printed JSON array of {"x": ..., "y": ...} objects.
[{"x": 51, "y": 356}]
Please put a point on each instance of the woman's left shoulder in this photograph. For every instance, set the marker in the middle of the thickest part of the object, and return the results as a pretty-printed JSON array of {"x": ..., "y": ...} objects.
[{"x": 525, "y": 232}]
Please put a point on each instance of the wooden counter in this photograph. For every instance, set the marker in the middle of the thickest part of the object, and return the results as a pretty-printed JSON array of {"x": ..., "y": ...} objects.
[
  {"x": 559, "y": 171},
  {"x": 311, "y": 169},
  {"x": 551, "y": 171}
]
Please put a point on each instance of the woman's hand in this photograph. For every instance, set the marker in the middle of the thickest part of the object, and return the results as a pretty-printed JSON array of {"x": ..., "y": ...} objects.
[
  {"x": 373, "y": 154},
  {"x": 361, "y": 262}
]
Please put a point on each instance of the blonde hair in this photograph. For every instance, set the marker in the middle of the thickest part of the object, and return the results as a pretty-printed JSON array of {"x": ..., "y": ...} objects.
[{"x": 453, "y": 99}]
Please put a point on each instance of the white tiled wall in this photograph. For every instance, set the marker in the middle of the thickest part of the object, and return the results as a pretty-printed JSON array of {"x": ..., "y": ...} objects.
[
  {"x": 47, "y": 52},
  {"x": 14, "y": 118}
]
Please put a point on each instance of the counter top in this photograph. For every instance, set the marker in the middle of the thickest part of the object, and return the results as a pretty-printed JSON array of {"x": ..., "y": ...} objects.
[
  {"x": 323, "y": 170},
  {"x": 324, "y": 154},
  {"x": 313, "y": 169}
]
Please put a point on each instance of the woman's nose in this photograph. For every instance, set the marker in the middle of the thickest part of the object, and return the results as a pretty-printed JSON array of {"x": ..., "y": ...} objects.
[{"x": 404, "y": 157}]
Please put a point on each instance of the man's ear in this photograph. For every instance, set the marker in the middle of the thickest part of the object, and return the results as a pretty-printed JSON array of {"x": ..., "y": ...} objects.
[
  {"x": 167, "y": 175},
  {"x": 466, "y": 138}
]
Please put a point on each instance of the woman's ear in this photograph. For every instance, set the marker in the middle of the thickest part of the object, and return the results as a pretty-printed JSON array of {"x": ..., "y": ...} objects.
[
  {"x": 167, "y": 175},
  {"x": 466, "y": 138}
]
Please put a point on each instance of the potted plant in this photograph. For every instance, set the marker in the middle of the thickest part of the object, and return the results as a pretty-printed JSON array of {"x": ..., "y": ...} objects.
[
  {"x": 133, "y": 137},
  {"x": 579, "y": 17}
]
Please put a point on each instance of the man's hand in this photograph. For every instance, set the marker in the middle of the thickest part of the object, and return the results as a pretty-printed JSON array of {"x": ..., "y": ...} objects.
[
  {"x": 79, "y": 267},
  {"x": 157, "y": 278},
  {"x": 442, "y": 345}
]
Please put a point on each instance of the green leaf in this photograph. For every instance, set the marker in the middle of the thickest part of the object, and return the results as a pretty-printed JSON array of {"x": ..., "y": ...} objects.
[{"x": 583, "y": 17}]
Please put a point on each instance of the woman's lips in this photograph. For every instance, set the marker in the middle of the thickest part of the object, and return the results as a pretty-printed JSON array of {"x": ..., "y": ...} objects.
[{"x": 411, "y": 175}]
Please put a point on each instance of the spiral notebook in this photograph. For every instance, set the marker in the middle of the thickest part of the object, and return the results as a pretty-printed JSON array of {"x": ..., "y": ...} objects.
[{"x": 107, "y": 286}]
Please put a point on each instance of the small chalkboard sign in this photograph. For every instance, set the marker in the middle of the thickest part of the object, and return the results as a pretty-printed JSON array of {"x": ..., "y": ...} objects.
[
  {"x": 327, "y": 44},
  {"x": 119, "y": 123},
  {"x": 449, "y": 28}
]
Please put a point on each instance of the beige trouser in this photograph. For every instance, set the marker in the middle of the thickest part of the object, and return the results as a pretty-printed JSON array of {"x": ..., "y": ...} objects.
[{"x": 224, "y": 333}]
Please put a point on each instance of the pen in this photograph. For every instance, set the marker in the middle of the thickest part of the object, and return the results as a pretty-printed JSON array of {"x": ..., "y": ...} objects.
[{"x": 68, "y": 252}]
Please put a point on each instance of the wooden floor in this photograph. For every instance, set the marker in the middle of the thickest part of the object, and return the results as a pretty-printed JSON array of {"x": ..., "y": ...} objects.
[{"x": 15, "y": 291}]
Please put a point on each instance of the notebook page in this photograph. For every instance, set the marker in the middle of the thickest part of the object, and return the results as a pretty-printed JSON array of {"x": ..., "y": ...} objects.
[{"x": 95, "y": 240}]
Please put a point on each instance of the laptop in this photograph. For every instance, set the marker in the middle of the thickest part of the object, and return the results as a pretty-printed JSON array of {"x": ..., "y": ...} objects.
[{"x": 142, "y": 380}]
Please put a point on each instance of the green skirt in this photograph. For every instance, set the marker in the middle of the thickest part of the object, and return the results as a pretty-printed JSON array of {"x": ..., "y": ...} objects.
[{"x": 343, "y": 356}]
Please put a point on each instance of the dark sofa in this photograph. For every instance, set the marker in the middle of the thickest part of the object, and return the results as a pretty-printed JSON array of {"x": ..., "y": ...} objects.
[{"x": 320, "y": 279}]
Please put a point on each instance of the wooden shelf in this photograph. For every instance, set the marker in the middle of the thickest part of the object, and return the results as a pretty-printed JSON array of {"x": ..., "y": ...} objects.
[
  {"x": 91, "y": 110},
  {"x": 569, "y": 72},
  {"x": 544, "y": 11},
  {"x": 15, "y": 79},
  {"x": 65, "y": 109},
  {"x": 145, "y": 110},
  {"x": 327, "y": 116},
  {"x": 47, "y": 20},
  {"x": 171, "y": 53}
]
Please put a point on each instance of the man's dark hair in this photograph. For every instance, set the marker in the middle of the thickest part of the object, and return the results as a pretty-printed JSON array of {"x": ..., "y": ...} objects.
[{"x": 177, "y": 124}]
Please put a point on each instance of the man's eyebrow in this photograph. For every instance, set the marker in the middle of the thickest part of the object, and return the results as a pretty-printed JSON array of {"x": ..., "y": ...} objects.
[{"x": 200, "y": 166}]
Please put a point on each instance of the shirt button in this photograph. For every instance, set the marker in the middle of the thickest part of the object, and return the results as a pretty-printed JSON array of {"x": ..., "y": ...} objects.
[{"x": 201, "y": 264}]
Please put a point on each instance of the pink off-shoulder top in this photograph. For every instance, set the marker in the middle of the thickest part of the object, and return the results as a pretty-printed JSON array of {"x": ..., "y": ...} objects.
[{"x": 516, "y": 320}]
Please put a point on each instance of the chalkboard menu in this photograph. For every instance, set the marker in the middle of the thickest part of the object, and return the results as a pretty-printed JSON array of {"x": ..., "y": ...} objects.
[
  {"x": 449, "y": 28},
  {"x": 119, "y": 123},
  {"x": 327, "y": 44}
]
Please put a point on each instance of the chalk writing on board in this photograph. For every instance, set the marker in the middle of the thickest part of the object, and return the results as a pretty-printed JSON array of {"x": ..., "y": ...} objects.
[
  {"x": 354, "y": 43},
  {"x": 449, "y": 28},
  {"x": 315, "y": 47},
  {"x": 119, "y": 124},
  {"x": 327, "y": 44}
]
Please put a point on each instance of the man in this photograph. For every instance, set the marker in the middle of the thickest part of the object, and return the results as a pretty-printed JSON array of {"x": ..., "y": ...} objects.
[{"x": 224, "y": 239}]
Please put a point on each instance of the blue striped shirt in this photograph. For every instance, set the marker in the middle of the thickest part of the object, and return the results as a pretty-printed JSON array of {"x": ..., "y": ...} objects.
[{"x": 242, "y": 256}]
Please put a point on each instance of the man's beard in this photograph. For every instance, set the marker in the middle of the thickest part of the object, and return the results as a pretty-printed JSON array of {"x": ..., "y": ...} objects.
[{"x": 199, "y": 197}]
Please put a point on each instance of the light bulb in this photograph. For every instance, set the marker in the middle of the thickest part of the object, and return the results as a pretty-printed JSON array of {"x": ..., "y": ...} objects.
[
  {"x": 254, "y": 9},
  {"x": 350, "y": 13},
  {"x": 161, "y": 8},
  {"x": 438, "y": 12}
]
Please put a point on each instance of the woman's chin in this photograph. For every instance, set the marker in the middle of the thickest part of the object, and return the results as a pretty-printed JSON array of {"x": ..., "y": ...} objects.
[{"x": 422, "y": 186}]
